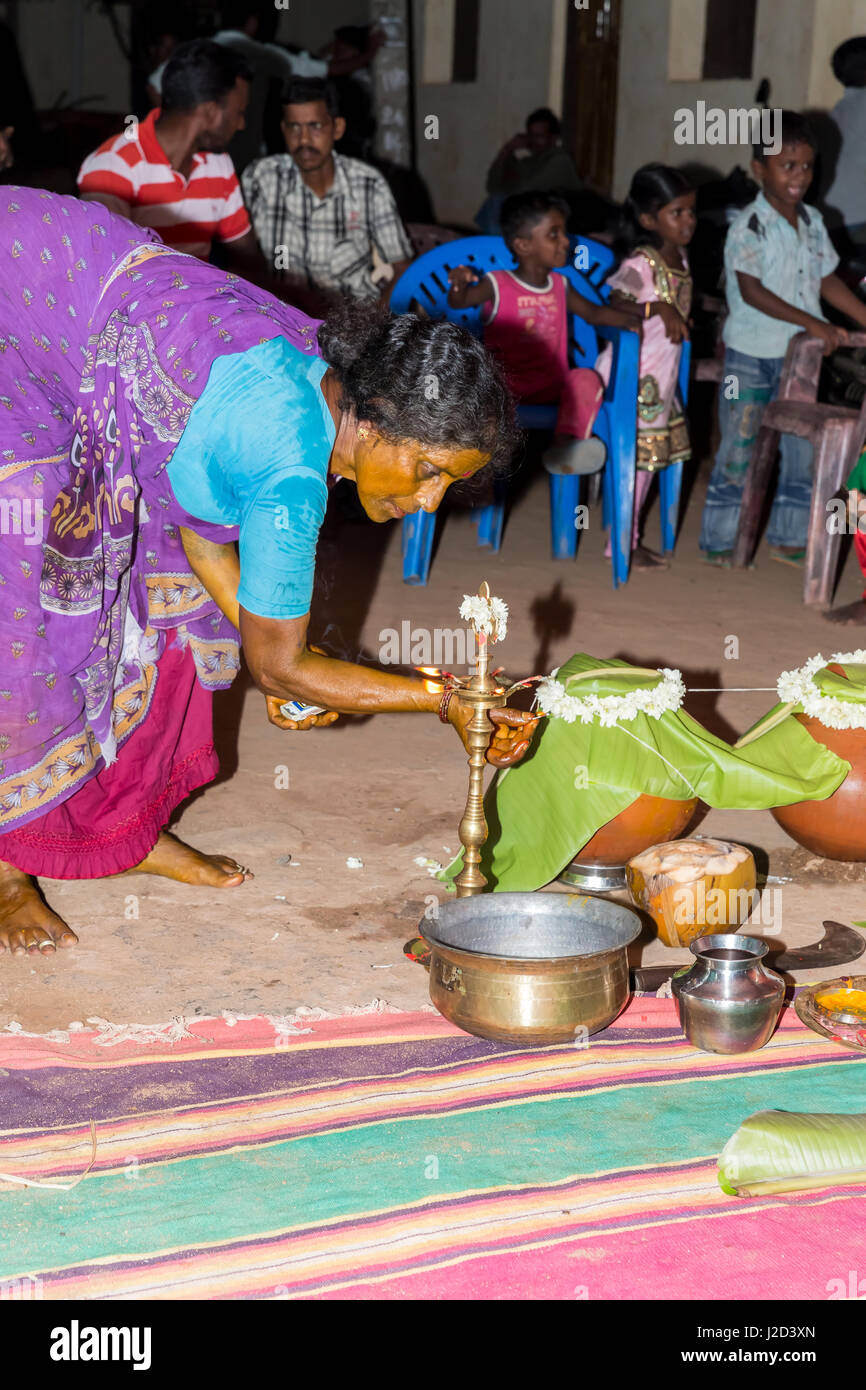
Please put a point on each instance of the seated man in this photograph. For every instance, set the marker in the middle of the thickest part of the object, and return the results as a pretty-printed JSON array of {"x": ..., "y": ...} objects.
[
  {"x": 533, "y": 161},
  {"x": 323, "y": 221},
  {"x": 170, "y": 173}
]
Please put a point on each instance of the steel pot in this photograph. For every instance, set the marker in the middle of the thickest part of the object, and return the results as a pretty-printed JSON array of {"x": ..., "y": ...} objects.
[
  {"x": 728, "y": 1001},
  {"x": 530, "y": 968}
]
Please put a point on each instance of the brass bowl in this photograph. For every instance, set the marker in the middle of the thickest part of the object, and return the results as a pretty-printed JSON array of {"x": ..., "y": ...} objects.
[{"x": 530, "y": 968}]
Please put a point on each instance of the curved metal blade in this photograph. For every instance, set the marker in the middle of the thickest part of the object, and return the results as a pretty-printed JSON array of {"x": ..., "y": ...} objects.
[{"x": 838, "y": 946}]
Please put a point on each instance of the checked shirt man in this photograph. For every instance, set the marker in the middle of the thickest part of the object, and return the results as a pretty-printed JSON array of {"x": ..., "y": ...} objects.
[{"x": 323, "y": 221}]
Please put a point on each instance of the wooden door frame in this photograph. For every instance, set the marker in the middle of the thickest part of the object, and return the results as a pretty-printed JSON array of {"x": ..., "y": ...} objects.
[{"x": 589, "y": 89}]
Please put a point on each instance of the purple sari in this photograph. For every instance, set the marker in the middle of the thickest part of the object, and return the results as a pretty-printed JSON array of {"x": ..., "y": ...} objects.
[{"x": 106, "y": 341}]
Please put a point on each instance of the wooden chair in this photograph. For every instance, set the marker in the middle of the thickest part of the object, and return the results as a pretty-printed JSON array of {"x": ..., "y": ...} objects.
[{"x": 837, "y": 436}]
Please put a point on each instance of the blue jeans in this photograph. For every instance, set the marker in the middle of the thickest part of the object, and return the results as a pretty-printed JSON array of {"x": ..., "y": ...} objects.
[{"x": 756, "y": 384}]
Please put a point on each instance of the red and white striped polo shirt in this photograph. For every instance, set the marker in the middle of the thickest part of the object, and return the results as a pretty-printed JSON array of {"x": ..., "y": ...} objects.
[{"x": 187, "y": 213}]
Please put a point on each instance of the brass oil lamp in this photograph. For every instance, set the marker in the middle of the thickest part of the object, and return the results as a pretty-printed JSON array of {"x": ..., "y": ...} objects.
[{"x": 480, "y": 694}]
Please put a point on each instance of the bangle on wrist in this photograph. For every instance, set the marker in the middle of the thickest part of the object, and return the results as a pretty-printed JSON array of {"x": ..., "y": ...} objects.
[
  {"x": 647, "y": 308},
  {"x": 444, "y": 703}
]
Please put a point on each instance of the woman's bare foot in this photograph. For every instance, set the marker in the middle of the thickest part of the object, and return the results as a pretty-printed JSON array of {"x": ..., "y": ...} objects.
[
  {"x": 27, "y": 923},
  {"x": 171, "y": 858}
]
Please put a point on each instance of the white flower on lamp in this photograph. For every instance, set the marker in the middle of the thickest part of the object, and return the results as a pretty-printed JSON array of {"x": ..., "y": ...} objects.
[
  {"x": 798, "y": 688},
  {"x": 486, "y": 615}
]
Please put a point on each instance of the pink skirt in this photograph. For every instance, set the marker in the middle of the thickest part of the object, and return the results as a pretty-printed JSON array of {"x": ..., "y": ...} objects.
[{"x": 113, "y": 821}]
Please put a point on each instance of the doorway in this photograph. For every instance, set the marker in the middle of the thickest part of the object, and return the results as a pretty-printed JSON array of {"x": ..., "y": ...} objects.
[{"x": 590, "y": 89}]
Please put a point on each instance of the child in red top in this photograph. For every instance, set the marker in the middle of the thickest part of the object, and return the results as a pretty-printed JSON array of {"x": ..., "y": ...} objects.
[{"x": 526, "y": 326}]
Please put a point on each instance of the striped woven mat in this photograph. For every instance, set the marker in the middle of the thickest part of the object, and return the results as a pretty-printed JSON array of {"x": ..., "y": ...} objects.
[{"x": 391, "y": 1156}]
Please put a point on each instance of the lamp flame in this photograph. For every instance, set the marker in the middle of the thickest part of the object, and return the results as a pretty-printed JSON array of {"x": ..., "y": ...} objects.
[{"x": 432, "y": 687}]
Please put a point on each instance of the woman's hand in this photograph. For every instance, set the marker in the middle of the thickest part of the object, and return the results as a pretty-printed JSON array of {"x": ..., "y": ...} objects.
[
  {"x": 512, "y": 732},
  {"x": 313, "y": 721}
]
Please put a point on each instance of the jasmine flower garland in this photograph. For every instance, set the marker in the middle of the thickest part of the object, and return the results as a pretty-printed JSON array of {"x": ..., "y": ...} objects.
[
  {"x": 609, "y": 710},
  {"x": 798, "y": 688}
]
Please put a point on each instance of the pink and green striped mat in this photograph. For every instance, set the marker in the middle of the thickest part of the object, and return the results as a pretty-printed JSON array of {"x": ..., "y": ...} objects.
[{"x": 391, "y": 1156}]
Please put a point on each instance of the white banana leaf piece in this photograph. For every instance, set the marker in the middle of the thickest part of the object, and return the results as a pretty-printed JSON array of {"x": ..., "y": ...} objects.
[{"x": 777, "y": 1151}]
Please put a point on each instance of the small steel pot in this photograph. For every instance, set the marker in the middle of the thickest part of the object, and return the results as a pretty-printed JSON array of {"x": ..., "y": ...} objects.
[
  {"x": 531, "y": 968},
  {"x": 728, "y": 1001}
]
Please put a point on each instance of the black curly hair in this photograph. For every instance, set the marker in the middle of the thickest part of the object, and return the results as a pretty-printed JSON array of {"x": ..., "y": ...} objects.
[
  {"x": 521, "y": 213},
  {"x": 420, "y": 379},
  {"x": 849, "y": 62},
  {"x": 795, "y": 130}
]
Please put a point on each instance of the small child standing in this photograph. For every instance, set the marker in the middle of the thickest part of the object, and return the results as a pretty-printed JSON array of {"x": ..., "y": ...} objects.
[
  {"x": 779, "y": 265},
  {"x": 526, "y": 326},
  {"x": 653, "y": 277}
]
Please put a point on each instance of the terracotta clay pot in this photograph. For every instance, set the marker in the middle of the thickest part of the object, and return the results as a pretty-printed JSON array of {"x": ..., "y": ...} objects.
[
  {"x": 647, "y": 821},
  {"x": 835, "y": 828}
]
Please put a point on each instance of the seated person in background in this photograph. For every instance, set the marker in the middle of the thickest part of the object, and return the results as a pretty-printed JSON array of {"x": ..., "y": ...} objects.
[
  {"x": 169, "y": 173},
  {"x": 323, "y": 221},
  {"x": 526, "y": 326},
  {"x": 535, "y": 160},
  {"x": 354, "y": 92},
  {"x": 249, "y": 27}
]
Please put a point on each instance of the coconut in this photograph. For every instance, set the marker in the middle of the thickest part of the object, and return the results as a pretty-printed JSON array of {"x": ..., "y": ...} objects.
[{"x": 693, "y": 886}]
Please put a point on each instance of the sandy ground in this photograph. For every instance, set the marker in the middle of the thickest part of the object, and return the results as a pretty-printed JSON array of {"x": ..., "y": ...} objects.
[{"x": 311, "y": 931}]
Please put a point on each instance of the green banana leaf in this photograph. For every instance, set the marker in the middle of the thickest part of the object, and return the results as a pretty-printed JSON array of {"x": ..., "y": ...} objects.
[
  {"x": 851, "y": 688},
  {"x": 777, "y": 1151},
  {"x": 576, "y": 777}
]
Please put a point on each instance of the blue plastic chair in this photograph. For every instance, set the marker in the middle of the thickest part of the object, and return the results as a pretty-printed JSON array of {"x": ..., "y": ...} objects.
[
  {"x": 426, "y": 282},
  {"x": 593, "y": 259}
]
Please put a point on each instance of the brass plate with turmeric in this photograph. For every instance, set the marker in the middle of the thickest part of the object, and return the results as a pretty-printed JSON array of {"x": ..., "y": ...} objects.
[{"x": 836, "y": 1009}]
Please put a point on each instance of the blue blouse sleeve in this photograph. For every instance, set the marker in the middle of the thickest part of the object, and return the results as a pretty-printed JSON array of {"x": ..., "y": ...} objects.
[
  {"x": 278, "y": 534},
  {"x": 255, "y": 455}
]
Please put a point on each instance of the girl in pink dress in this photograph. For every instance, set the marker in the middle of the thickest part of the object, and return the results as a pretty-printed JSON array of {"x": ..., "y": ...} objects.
[
  {"x": 525, "y": 318},
  {"x": 653, "y": 279}
]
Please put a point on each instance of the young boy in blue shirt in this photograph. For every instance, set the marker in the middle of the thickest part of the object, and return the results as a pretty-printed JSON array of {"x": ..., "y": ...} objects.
[{"x": 779, "y": 265}]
